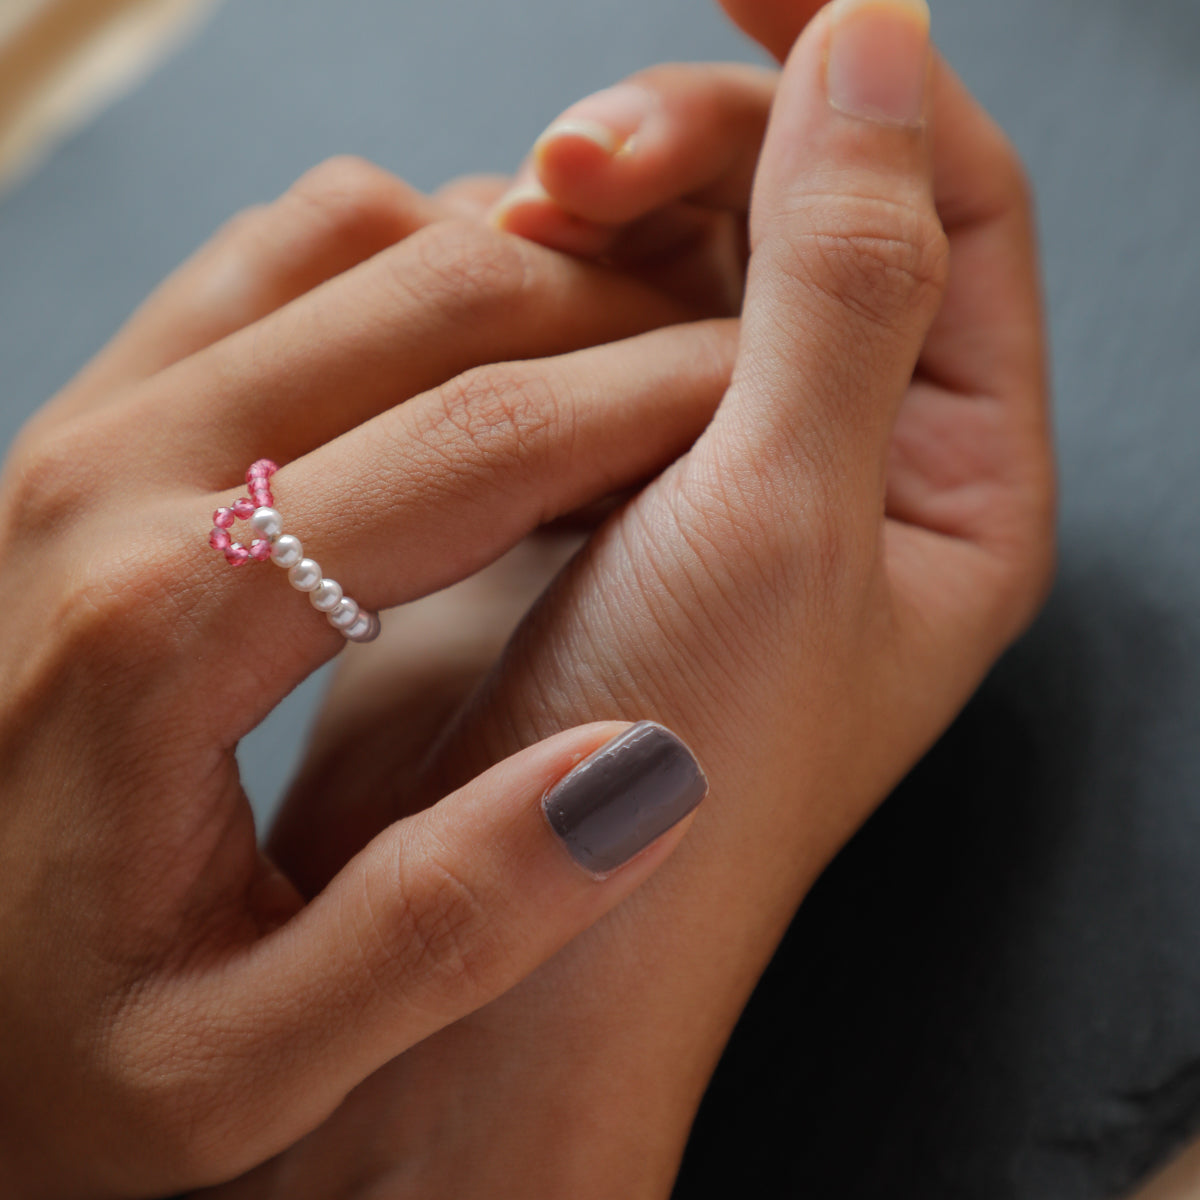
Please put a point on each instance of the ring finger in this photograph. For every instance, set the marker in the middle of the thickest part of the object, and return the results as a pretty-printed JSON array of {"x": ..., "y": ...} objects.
[{"x": 430, "y": 491}]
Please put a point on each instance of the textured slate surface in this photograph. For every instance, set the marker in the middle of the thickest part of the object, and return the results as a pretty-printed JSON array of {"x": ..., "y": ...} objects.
[{"x": 995, "y": 992}]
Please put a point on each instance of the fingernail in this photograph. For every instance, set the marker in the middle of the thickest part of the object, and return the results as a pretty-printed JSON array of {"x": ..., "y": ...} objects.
[
  {"x": 878, "y": 59},
  {"x": 609, "y": 119},
  {"x": 622, "y": 797},
  {"x": 529, "y": 192}
]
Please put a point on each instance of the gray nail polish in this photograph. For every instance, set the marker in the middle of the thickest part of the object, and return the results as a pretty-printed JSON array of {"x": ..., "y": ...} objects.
[{"x": 626, "y": 794}]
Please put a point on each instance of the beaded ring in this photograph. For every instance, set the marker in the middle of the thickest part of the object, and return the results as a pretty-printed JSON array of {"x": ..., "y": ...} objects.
[{"x": 353, "y": 623}]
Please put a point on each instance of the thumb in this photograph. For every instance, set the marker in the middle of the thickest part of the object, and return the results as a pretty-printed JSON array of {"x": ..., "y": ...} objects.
[
  {"x": 848, "y": 261},
  {"x": 438, "y": 915}
]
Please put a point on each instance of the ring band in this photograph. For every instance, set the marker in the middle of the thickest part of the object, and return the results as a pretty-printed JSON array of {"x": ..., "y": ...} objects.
[{"x": 355, "y": 624}]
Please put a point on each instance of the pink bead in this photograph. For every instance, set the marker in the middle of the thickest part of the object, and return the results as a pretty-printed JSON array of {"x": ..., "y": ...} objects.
[
  {"x": 263, "y": 468},
  {"x": 260, "y": 551},
  {"x": 243, "y": 508},
  {"x": 223, "y": 518},
  {"x": 219, "y": 539},
  {"x": 237, "y": 554},
  {"x": 261, "y": 496}
]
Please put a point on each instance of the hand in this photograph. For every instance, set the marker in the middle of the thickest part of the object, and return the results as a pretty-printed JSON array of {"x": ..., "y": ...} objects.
[
  {"x": 172, "y": 1010},
  {"x": 810, "y": 594}
]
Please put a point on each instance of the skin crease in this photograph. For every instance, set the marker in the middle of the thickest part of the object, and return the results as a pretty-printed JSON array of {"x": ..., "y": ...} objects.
[
  {"x": 174, "y": 1012},
  {"x": 753, "y": 597},
  {"x": 812, "y": 692}
]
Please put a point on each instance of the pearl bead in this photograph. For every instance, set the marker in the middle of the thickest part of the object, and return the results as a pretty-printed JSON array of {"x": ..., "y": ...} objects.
[
  {"x": 325, "y": 595},
  {"x": 286, "y": 550},
  {"x": 305, "y": 575},
  {"x": 267, "y": 521},
  {"x": 343, "y": 614},
  {"x": 365, "y": 628}
]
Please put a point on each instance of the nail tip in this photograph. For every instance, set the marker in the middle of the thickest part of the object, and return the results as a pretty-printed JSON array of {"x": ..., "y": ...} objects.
[
  {"x": 503, "y": 208},
  {"x": 918, "y": 9},
  {"x": 669, "y": 735},
  {"x": 591, "y": 131}
]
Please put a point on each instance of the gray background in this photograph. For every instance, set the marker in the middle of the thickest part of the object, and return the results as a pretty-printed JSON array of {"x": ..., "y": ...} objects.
[{"x": 995, "y": 992}]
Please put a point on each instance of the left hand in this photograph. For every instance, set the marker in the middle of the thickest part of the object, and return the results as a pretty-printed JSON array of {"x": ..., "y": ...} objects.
[{"x": 172, "y": 1009}]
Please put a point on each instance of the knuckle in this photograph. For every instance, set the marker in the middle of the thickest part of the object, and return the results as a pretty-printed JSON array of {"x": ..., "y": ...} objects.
[
  {"x": 464, "y": 268},
  {"x": 432, "y": 938},
  {"x": 348, "y": 194},
  {"x": 886, "y": 260},
  {"x": 48, "y": 482},
  {"x": 504, "y": 417},
  {"x": 160, "y": 1067},
  {"x": 343, "y": 202},
  {"x": 118, "y": 595}
]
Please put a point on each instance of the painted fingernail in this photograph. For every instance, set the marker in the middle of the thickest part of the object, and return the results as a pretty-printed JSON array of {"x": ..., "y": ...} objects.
[
  {"x": 878, "y": 59},
  {"x": 609, "y": 119},
  {"x": 624, "y": 796}
]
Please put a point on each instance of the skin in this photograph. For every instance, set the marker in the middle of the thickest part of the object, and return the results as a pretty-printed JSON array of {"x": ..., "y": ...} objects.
[
  {"x": 810, "y": 594},
  {"x": 174, "y": 1009},
  {"x": 849, "y": 516}
]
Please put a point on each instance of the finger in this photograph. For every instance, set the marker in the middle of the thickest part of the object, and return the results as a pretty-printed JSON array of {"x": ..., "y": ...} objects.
[
  {"x": 437, "y": 916},
  {"x": 472, "y": 195},
  {"x": 847, "y": 266},
  {"x": 674, "y": 132},
  {"x": 689, "y": 131},
  {"x": 972, "y": 453},
  {"x": 334, "y": 217},
  {"x": 452, "y": 296},
  {"x": 530, "y": 212},
  {"x": 988, "y": 337},
  {"x": 978, "y": 416},
  {"x": 429, "y": 492},
  {"x": 774, "y": 24}
]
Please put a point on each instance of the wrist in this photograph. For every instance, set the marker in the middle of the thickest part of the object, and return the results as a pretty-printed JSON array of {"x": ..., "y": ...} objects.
[{"x": 496, "y": 1108}]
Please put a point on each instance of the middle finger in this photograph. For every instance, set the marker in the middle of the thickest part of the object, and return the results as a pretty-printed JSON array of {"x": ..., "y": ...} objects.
[{"x": 453, "y": 296}]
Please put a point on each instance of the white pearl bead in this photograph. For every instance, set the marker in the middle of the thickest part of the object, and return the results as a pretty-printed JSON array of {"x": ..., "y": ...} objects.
[
  {"x": 343, "y": 614},
  {"x": 267, "y": 521},
  {"x": 305, "y": 575},
  {"x": 365, "y": 628},
  {"x": 286, "y": 550},
  {"x": 325, "y": 595}
]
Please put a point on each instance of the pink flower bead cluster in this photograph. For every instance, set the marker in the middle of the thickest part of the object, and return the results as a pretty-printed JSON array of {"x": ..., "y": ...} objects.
[
  {"x": 304, "y": 574},
  {"x": 241, "y": 510}
]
